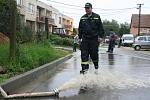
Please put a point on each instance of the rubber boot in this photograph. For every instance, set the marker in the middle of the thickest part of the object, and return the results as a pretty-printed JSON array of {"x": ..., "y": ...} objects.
[{"x": 84, "y": 68}]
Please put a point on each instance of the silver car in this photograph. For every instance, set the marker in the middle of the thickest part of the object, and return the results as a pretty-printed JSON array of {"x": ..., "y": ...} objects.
[{"x": 141, "y": 42}]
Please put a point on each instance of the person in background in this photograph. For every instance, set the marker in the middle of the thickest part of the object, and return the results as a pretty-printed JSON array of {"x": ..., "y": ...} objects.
[
  {"x": 75, "y": 43},
  {"x": 119, "y": 42},
  {"x": 112, "y": 40}
]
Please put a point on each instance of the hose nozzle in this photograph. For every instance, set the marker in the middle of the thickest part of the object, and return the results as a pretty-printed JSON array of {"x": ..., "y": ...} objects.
[{"x": 56, "y": 91}]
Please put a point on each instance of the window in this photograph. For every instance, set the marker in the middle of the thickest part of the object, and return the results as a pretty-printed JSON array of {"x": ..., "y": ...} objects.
[
  {"x": 31, "y": 8},
  {"x": 71, "y": 23},
  {"x": 149, "y": 39},
  {"x": 128, "y": 38},
  {"x": 19, "y": 2},
  {"x": 59, "y": 20},
  {"x": 142, "y": 39}
]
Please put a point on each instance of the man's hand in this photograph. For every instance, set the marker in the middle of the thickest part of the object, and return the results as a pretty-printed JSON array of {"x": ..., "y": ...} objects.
[{"x": 79, "y": 41}]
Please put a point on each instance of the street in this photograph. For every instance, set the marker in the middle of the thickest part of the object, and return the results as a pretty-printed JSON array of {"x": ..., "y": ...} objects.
[{"x": 123, "y": 75}]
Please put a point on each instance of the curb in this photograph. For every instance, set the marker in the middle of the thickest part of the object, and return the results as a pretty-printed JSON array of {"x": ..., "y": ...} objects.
[
  {"x": 65, "y": 48},
  {"x": 20, "y": 80}
]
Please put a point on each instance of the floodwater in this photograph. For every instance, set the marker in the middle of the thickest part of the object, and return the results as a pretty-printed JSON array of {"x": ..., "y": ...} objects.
[{"x": 120, "y": 77}]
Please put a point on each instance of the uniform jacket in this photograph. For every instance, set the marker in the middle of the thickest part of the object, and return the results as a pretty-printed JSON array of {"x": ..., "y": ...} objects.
[{"x": 90, "y": 27}]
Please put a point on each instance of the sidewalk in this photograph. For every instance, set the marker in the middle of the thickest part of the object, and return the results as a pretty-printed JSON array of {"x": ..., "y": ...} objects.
[
  {"x": 64, "y": 48},
  {"x": 145, "y": 52}
]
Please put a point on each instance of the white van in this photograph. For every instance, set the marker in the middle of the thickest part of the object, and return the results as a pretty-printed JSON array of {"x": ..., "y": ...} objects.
[{"x": 127, "y": 39}]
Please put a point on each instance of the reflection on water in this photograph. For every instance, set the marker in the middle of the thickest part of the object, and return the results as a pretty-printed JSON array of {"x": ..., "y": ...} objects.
[{"x": 111, "y": 58}]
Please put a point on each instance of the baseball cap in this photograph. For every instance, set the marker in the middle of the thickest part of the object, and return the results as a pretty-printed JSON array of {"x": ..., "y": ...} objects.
[{"x": 88, "y": 5}]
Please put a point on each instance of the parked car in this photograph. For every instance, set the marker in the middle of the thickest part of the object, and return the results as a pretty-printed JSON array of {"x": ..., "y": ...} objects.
[
  {"x": 59, "y": 31},
  {"x": 141, "y": 42},
  {"x": 127, "y": 39}
]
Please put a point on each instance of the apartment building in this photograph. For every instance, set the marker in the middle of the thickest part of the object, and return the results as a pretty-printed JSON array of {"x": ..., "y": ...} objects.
[
  {"x": 30, "y": 17},
  {"x": 22, "y": 9},
  {"x": 40, "y": 16},
  {"x": 64, "y": 24},
  {"x": 67, "y": 24},
  {"x": 36, "y": 13},
  {"x": 27, "y": 9}
]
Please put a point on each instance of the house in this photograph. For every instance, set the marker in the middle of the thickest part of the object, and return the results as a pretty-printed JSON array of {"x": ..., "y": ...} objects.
[
  {"x": 22, "y": 9},
  {"x": 44, "y": 13},
  {"x": 36, "y": 14},
  {"x": 144, "y": 26},
  {"x": 27, "y": 9},
  {"x": 30, "y": 16},
  {"x": 67, "y": 24},
  {"x": 64, "y": 24}
]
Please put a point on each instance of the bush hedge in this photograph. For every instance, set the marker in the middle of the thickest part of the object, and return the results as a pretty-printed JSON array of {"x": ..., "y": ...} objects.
[{"x": 58, "y": 40}]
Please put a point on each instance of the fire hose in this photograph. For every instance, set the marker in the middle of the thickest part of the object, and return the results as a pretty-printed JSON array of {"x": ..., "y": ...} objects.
[{"x": 55, "y": 92}]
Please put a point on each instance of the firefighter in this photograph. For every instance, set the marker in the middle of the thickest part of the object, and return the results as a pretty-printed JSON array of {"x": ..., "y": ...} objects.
[{"x": 90, "y": 35}]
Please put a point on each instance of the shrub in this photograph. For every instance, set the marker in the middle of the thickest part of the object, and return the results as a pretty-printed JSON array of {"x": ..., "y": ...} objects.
[
  {"x": 57, "y": 40},
  {"x": 31, "y": 55},
  {"x": 25, "y": 34}
]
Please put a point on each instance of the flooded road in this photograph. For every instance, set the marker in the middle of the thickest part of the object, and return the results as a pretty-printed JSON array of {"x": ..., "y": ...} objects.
[{"x": 120, "y": 77}]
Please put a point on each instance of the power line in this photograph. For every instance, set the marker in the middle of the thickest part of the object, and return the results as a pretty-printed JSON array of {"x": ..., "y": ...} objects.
[
  {"x": 106, "y": 10},
  {"x": 102, "y": 14},
  {"x": 71, "y": 13},
  {"x": 113, "y": 14},
  {"x": 83, "y": 7},
  {"x": 68, "y": 7},
  {"x": 116, "y": 12},
  {"x": 65, "y": 4},
  {"x": 146, "y": 7},
  {"x": 116, "y": 9}
]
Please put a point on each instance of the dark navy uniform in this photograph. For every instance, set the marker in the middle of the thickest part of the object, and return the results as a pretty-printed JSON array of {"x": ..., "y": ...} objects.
[{"x": 90, "y": 29}]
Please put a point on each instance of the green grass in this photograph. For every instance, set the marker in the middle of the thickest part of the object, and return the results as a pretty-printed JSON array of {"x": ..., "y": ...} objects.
[{"x": 30, "y": 56}]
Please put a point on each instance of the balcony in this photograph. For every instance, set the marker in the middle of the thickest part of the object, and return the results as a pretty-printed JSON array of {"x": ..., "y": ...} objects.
[
  {"x": 50, "y": 21},
  {"x": 67, "y": 26},
  {"x": 40, "y": 19}
]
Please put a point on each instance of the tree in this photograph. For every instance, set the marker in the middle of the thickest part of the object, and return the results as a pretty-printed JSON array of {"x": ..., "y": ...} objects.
[
  {"x": 119, "y": 29},
  {"x": 8, "y": 12},
  {"x": 4, "y": 17},
  {"x": 110, "y": 26},
  {"x": 13, "y": 13},
  {"x": 124, "y": 29}
]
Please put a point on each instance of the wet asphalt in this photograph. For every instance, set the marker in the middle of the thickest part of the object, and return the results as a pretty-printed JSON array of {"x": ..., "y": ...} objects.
[{"x": 123, "y": 75}]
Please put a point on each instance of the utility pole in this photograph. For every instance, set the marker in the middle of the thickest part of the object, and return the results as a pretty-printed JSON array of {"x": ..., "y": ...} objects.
[
  {"x": 46, "y": 27},
  {"x": 139, "y": 24},
  {"x": 12, "y": 25}
]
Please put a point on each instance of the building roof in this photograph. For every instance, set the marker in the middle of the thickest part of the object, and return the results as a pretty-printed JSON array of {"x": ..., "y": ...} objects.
[{"x": 145, "y": 20}]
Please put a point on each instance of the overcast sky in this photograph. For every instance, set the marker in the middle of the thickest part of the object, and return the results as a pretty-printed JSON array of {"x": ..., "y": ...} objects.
[{"x": 107, "y": 9}]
